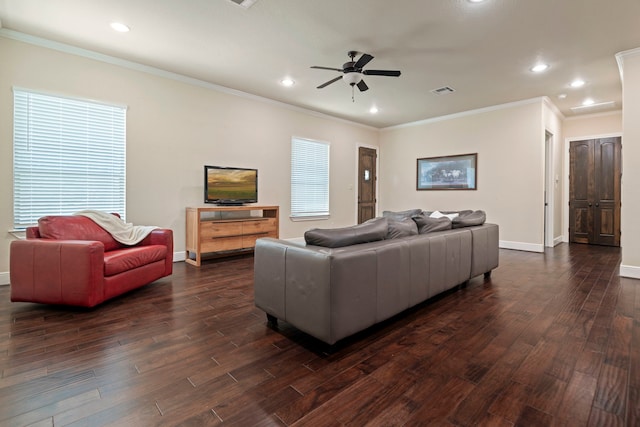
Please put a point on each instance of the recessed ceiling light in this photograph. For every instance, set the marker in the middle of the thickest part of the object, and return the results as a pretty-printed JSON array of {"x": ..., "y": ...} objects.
[
  {"x": 120, "y": 27},
  {"x": 476, "y": 1},
  {"x": 588, "y": 101},
  {"x": 287, "y": 82},
  {"x": 577, "y": 83},
  {"x": 562, "y": 96},
  {"x": 373, "y": 110},
  {"x": 538, "y": 68}
]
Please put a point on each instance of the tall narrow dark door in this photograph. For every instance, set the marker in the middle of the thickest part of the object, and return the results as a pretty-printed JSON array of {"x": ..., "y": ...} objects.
[
  {"x": 366, "y": 184},
  {"x": 594, "y": 191}
]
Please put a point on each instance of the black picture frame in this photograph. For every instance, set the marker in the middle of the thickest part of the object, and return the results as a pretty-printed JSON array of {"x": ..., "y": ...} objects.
[{"x": 457, "y": 172}]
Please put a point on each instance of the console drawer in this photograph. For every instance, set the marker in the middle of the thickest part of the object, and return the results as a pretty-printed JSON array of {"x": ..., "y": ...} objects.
[
  {"x": 220, "y": 229},
  {"x": 261, "y": 226},
  {"x": 221, "y": 244}
]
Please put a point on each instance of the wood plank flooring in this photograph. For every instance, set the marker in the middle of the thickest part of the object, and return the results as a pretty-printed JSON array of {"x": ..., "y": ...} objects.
[{"x": 551, "y": 339}]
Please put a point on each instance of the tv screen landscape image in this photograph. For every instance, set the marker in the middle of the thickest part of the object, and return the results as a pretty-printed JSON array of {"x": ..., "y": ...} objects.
[{"x": 226, "y": 185}]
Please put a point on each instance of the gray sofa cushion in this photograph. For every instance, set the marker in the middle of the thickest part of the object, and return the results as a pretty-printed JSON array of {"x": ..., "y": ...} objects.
[
  {"x": 401, "y": 228},
  {"x": 401, "y": 214},
  {"x": 370, "y": 231},
  {"x": 469, "y": 219},
  {"x": 427, "y": 224}
]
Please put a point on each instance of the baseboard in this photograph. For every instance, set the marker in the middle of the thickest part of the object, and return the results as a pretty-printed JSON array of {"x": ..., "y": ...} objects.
[
  {"x": 557, "y": 241},
  {"x": 4, "y": 278},
  {"x": 179, "y": 256},
  {"x": 630, "y": 271},
  {"x": 519, "y": 246}
]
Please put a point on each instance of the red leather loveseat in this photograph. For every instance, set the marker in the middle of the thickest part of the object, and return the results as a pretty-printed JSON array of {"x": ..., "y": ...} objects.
[{"x": 71, "y": 260}]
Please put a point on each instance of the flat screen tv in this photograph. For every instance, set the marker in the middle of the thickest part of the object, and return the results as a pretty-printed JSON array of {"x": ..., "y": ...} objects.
[{"x": 230, "y": 186}]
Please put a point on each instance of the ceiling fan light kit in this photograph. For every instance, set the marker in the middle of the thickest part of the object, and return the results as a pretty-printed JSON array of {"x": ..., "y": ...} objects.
[{"x": 352, "y": 78}]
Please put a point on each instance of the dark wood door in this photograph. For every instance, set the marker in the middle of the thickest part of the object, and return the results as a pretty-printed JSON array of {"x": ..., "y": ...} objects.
[
  {"x": 366, "y": 184},
  {"x": 594, "y": 191}
]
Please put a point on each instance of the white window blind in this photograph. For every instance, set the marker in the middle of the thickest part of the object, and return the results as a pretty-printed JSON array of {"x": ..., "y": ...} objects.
[
  {"x": 309, "y": 178},
  {"x": 68, "y": 155}
]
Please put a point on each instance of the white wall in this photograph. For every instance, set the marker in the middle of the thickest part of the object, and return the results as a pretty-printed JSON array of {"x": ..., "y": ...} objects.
[
  {"x": 173, "y": 129},
  {"x": 509, "y": 141},
  {"x": 589, "y": 125},
  {"x": 630, "y": 225}
]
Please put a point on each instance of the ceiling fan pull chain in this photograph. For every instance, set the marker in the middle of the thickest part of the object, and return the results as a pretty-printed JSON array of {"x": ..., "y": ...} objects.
[{"x": 353, "y": 98}]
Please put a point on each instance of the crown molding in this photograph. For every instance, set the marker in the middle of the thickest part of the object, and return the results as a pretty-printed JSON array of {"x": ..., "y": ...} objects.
[
  {"x": 620, "y": 58},
  {"x": 549, "y": 103},
  {"x": 124, "y": 63}
]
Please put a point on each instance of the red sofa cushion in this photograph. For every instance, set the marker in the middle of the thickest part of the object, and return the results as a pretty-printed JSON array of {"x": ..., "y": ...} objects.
[
  {"x": 120, "y": 260},
  {"x": 75, "y": 227}
]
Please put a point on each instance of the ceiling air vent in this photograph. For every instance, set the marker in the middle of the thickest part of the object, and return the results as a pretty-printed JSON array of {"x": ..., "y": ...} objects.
[
  {"x": 244, "y": 3},
  {"x": 443, "y": 90},
  {"x": 593, "y": 107}
]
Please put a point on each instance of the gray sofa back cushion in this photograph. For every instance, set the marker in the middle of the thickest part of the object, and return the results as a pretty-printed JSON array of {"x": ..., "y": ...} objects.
[
  {"x": 400, "y": 215},
  {"x": 401, "y": 228},
  {"x": 427, "y": 224},
  {"x": 370, "y": 231}
]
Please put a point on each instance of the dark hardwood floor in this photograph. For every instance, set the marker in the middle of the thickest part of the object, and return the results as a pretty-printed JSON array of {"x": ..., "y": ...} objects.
[{"x": 550, "y": 340}]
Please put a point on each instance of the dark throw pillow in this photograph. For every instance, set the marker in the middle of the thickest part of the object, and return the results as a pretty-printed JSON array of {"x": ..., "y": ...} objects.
[
  {"x": 401, "y": 228},
  {"x": 427, "y": 224},
  {"x": 373, "y": 230},
  {"x": 469, "y": 219}
]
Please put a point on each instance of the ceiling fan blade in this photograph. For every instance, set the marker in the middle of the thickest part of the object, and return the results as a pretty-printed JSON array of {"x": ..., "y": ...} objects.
[
  {"x": 327, "y": 68},
  {"x": 362, "y": 86},
  {"x": 329, "y": 82},
  {"x": 364, "y": 60},
  {"x": 390, "y": 73}
]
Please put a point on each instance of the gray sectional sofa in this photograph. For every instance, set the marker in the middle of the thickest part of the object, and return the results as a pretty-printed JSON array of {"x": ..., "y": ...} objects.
[{"x": 364, "y": 274}]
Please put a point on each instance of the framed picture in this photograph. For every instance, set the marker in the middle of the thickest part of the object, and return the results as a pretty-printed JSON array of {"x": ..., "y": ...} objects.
[{"x": 448, "y": 173}]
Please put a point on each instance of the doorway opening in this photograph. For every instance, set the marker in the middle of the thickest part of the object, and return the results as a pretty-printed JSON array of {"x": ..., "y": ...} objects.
[{"x": 548, "y": 190}]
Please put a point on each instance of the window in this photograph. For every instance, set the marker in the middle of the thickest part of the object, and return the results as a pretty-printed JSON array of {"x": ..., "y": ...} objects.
[
  {"x": 68, "y": 155},
  {"x": 309, "y": 179}
]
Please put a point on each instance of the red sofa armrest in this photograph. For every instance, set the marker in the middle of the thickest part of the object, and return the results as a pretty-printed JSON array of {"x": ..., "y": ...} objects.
[
  {"x": 162, "y": 236},
  {"x": 69, "y": 272}
]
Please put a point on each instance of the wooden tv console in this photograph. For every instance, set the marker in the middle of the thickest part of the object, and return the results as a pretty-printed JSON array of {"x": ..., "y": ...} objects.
[{"x": 224, "y": 230}]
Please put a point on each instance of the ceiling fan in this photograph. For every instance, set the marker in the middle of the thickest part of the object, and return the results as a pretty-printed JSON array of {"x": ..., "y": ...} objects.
[{"x": 352, "y": 71}]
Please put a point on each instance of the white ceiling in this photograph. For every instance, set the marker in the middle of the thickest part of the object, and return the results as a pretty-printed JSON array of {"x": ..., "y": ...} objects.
[{"x": 482, "y": 50}]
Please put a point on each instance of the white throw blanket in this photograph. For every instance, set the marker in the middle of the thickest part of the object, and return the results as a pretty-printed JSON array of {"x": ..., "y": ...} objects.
[{"x": 125, "y": 233}]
